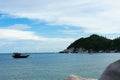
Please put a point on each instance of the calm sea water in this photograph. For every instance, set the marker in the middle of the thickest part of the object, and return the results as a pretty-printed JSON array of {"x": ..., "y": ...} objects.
[{"x": 54, "y": 66}]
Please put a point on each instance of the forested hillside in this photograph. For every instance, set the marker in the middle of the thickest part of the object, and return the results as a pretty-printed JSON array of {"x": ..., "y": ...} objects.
[{"x": 94, "y": 43}]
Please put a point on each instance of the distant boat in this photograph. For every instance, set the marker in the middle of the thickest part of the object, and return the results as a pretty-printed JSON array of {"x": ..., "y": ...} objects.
[{"x": 19, "y": 55}]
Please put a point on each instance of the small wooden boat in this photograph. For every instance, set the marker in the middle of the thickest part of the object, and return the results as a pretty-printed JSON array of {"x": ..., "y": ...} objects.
[{"x": 19, "y": 55}]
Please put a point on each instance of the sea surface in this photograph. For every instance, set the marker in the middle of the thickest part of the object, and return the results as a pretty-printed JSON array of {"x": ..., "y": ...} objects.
[{"x": 54, "y": 66}]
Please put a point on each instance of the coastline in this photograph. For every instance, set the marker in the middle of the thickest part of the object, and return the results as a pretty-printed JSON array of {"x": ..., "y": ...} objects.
[{"x": 82, "y": 50}]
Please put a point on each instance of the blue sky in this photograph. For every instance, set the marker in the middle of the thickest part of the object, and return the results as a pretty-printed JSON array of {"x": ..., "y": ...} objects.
[{"x": 51, "y": 25}]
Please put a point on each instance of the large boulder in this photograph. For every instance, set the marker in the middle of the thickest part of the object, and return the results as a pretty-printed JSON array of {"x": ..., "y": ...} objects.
[
  {"x": 73, "y": 77},
  {"x": 112, "y": 72}
]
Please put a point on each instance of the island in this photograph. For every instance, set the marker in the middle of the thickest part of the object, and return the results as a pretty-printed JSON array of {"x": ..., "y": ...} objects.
[{"x": 94, "y": 44}]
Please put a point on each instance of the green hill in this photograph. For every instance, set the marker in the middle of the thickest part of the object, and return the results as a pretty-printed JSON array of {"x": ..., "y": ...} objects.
[{"x": 93, "y": 44}]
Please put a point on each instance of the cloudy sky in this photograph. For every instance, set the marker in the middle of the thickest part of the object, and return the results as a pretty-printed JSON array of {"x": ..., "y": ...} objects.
[{"x": 51, "y": 25}]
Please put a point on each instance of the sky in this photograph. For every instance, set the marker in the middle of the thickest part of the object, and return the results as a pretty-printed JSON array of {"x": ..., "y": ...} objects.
[{"x": 52, "y": 25}]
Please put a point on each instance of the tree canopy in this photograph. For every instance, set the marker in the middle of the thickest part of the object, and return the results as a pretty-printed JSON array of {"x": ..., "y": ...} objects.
[{"x": 96, "y": 43}]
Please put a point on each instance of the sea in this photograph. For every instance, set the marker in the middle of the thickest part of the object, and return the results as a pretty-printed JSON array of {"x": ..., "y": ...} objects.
[{"x": 54, "y": 66}]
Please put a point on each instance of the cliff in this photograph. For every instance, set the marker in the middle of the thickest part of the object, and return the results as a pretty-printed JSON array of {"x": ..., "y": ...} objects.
[{"x": 93, "y": 44}]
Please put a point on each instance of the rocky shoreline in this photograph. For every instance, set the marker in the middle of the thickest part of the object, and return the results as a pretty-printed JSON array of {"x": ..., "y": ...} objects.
[
  {"x": 112, "y": 72},
  {"x": 83, "y": 50},
  {"x": 73, "y": 77}
]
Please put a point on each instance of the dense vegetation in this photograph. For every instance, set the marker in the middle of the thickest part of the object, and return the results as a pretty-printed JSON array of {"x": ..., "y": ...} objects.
[{"x": 96, "y": 43}]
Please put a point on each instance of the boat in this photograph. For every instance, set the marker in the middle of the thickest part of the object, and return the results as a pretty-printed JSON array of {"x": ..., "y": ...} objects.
[{"x": 19, "y": 55}]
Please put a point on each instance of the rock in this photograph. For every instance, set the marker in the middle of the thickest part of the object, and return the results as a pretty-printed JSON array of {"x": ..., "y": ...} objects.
[
  {"x": 112, "y": 72},
  {"x": 73, "y": 77}
]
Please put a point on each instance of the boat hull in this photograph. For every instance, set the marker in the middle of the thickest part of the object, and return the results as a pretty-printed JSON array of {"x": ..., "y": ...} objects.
[{"x": 20, "y": 56}]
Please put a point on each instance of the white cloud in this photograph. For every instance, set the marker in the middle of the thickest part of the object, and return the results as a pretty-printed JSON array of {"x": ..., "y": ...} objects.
[
  {"x": 18, "y": 27},
  {"x": 22, "y": 40},
  {"x": 12, "y": 34},
  {"x": 95, "y": 16},
  {"x": 17, "y": 34}
]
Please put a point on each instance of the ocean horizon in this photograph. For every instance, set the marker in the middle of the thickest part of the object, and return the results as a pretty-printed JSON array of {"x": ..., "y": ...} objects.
[{"x": 54, "y": 66}]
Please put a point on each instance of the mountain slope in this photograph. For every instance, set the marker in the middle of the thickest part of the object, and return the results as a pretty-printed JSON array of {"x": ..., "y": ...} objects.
[{"x": 94, "y": 43}]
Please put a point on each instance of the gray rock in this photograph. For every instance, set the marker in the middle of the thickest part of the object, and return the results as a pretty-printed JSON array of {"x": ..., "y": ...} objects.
[
  {"x": 112, "y": 72},
  {"x": 73, "y": 77}
]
